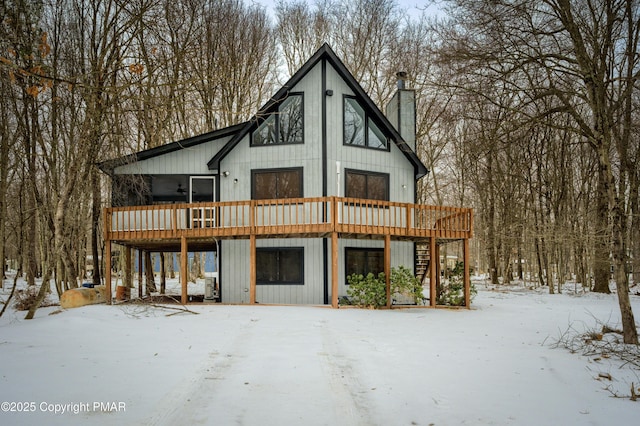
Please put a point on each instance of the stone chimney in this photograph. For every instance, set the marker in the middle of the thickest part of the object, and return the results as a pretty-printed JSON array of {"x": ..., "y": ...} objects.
[{"x": 401, "y": 111}]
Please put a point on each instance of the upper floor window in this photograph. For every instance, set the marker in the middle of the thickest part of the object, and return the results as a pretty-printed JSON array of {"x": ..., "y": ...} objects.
[
  {"x": 369, "y": 185},
  {"x": 276, "y": 183},
  {"x": 283, "y": 126},
  {"x": 359, "y": 129}
]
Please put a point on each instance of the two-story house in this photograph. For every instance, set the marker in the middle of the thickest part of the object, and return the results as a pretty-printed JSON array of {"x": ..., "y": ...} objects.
[{"x": 319, "y": 184}]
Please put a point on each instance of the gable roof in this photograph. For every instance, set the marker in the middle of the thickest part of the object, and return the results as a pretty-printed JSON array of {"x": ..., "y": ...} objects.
[
  {"x": 325, "y": 53},
  {"x": 109, "y": 165},
  {"x": 238, "y": 131}
]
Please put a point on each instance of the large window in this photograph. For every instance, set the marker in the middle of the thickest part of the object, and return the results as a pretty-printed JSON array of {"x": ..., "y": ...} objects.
[
  {"x": 283, "y": 126},
  {"x": 284, "y": 265},
  {"x": 369, "y": 185},
  {"x": 276, "y": 183},
  {"x": 364, "y": 261},
  {"x": 359, "y": 129}
]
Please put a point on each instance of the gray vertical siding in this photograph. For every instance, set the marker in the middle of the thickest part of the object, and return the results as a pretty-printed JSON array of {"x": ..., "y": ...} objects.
[
  {"x": 234, "y": 268},
  {"x": 243, "y": 159},
  {"x": 188, "y": 161},
  {"x": 394, "y": 163},
  {"x": 235, "y": 273},
  {"x": 312, "y": 290},
  {"x": 239, "y": 163},
  {"x": 401, "y": 255}
]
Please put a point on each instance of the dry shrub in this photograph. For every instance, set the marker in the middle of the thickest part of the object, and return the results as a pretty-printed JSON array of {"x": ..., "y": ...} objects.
[{"x": 25, "y": 298}]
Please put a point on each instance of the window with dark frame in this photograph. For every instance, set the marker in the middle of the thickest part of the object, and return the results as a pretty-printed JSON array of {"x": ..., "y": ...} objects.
[
  {"x": 285, "y": 126},
  {"x": 281, "y": 265},
  {"x": 359, "y": 129},
  {"x": 276, "y": 183},
  {"x": 364, "y": 261},
  {"x": 369, "y": 185}
]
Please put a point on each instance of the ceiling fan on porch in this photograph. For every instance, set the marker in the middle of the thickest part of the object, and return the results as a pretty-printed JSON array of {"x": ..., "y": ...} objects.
[{"x": 181, "y": 190}]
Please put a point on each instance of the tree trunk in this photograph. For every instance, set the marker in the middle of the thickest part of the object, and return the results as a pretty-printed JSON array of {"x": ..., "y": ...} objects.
[
  {"x": 42, "y": 293},
  {"x": 95, "y": 229},
  {"x": 31, "y": 252},
  {"x": 601, "y": 249},
  {"x": 128, "y": 267},
  {"x": 148, "y": 271},
  {"x": 163, "y": 273},
  {"x": 618, "y": 248},
  {"x": 172, "y": 269},
  {"x": 13, "y": 290},
  {"x": 490, "y": 246},
  {"x": 634, "y": 227},
  {"x": 539, "y": 262},
  {"x": 520, "y": 271}
]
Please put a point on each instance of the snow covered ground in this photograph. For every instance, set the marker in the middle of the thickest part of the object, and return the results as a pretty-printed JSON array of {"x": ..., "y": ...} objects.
[{"x": 300, "y": 365}]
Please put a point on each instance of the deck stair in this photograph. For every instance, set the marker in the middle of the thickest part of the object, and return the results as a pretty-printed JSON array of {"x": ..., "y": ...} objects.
[{"x": 422, "y": 261}]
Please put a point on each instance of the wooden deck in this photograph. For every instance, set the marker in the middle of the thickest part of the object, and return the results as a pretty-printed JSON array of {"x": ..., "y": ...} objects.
[
  {"x": 171, "y": 227},
  {"x": 291, "y": 217}
]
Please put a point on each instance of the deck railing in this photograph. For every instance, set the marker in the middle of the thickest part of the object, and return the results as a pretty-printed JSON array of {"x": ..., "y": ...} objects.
[{"x": 290, "y": 216}]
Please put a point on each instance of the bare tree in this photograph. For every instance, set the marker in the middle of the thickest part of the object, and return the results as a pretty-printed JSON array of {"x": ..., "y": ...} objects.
[
  {"x": 301, "y": 31},
  {"x": 582, "y": 59}
]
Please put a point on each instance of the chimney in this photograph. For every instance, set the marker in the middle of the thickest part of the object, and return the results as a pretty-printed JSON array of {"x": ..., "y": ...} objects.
[
  {"x": 401, "y": 111},
  {"x": 402, "y": 76}
]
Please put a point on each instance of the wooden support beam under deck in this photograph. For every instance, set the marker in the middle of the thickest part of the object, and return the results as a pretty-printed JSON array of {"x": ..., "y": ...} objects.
[
  {"x": 438, "y": 267},
  {"x": 432, "y": 272},
  {"x": 184, "y": 273},
  {"x": 140, "y": 255},
  {"x": 467, "y": 277},
  {"x": 334, "y": 269},
  {"x": 252, "y": 269},
  {"x": 107, "y": 270},
  {"x": 128, "y": 270},
  {"x": 387, "y": 267}
]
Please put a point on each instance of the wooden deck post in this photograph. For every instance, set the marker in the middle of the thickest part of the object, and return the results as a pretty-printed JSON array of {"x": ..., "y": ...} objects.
[
  {"x": 334, "y": 269},
  {"x": 184, "y": 266},
  {"x": 252, "y": 269},
  {"x": 387, "y": 267},
  {"x": 140, "y": 255},
  {"x": 467, "y": 277},
  {"x": 438, "y": 268},
  {"x": 107, "y": 270},
  {"x": 433, "y": 260},
  {"x": 128, "y": 272},
  {"x": 107, "y": 254}
]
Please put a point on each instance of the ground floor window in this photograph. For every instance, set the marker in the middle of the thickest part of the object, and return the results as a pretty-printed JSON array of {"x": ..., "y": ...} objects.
[
  {"x": 280, "y": 265},
  {"x": 364, "y": 261}
]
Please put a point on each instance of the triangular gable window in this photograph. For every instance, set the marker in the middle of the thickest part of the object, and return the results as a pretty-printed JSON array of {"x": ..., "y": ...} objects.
[
  {"x": 284, "y": 126},
  {"x": 359, "y": 129}
]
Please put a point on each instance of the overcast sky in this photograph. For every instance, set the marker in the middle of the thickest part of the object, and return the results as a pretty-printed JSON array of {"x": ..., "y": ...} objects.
[{"x": 413, "y": 6}]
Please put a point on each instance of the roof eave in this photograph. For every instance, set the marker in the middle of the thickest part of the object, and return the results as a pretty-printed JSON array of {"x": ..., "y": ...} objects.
[{"x": 109, "y": 166}]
